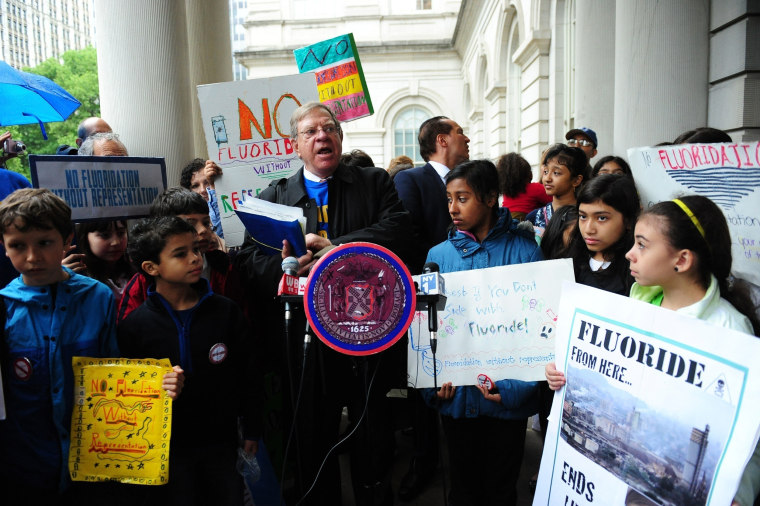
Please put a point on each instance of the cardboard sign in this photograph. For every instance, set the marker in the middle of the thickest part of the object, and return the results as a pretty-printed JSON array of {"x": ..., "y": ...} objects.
[
  {"x": 728, "y": 174},
  {"x": 658, "y": 407},
  {"x": 338, "y": 72},
  {"x": 247, "y": 127},
  {"x": 122, "y": 421},
  {"x": 498, "y": 321},
  {"x": 101, "y": 187}
]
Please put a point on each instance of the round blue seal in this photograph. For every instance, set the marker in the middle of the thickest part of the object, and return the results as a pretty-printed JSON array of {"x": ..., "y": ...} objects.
[{"x": 359, "y": 298}]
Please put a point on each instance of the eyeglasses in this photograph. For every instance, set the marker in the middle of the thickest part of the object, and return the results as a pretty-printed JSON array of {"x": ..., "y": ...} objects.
[
  {"x": 579, "y": 142},
  {"x": 311, "y": 132}
]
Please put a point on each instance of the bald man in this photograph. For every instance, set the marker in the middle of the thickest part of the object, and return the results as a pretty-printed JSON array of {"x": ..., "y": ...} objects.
[{"x": 89, "y": 126}]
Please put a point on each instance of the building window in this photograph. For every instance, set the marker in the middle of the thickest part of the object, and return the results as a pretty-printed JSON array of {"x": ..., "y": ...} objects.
[
  {"x": 424, "y": 5},
  {"x": 406, "y": 126}
]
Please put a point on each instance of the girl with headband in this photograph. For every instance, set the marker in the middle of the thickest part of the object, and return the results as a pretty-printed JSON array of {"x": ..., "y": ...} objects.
[{"x": 681, "y": 260}]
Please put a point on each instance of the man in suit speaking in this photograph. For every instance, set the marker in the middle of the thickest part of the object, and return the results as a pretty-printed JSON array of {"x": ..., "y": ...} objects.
[{"x": 443, "y": 145}]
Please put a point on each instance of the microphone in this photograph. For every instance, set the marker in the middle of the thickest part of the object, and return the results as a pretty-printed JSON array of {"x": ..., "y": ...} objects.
[
  {"x": 289, "y": 281},
  {"x": 434, "y": 298},
  {"x": 431, "y": 283}
]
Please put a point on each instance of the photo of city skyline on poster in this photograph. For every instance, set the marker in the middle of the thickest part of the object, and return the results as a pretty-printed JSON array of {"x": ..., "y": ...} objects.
[{"x": 666, "y": 452}]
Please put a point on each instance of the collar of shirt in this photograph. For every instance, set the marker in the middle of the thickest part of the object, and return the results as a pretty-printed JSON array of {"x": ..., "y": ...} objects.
[
  {"x": 313, "y": 177},
  {"x": 440, "y": 168}
]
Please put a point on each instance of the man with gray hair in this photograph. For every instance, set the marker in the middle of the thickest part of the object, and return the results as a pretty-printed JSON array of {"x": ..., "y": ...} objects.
[
  {"x": 341, "y": 204},
  {"x": 103, "y": 144}
]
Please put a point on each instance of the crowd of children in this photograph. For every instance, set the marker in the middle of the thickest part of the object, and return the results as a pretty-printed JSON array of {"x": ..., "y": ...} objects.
[{"x": 175, "y": 294}]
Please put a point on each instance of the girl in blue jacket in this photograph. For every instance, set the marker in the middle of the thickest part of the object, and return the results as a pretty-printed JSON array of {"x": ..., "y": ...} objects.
[{"x": 485, "y": 428}]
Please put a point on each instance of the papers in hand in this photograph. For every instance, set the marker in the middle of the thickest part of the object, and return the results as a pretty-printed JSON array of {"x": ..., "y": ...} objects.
[{"x": 270, "y": 223}]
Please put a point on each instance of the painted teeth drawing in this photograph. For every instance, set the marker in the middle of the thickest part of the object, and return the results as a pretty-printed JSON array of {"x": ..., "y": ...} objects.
[{"x": 725, "y": 186}]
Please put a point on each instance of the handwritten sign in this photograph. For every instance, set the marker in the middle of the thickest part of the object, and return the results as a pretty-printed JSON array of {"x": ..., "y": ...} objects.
[
  {"x": 122, "y": 419},
  {"x": 340, "y": 79},
  {"x": 498, "y": 321},
  {"x": 728, "y": 174},
  {"x": 247, "y": 127},
  {"x": 101, "y": 187},
  {"x": 657, "y": 405}
]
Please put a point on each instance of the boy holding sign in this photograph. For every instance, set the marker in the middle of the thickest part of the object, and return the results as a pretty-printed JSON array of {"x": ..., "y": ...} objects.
[
  {"x": 183, "y": 320},
  {"x": 50, "y": 314}
]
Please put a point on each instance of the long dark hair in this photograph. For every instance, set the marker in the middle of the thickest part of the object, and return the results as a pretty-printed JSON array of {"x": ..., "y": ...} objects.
[
  {"x": 514, "y": 174},
  {"x": 618, "y": 192},
  {"x": 553, "y": 244},
  {"x": 96, "y": 267},
  {"x": 621, "y": 163},
  {"x": 712, "y": 252}
]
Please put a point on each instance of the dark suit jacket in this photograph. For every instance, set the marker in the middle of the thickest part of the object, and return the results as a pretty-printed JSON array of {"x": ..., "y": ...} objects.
[{"x": 424, "y": 196}]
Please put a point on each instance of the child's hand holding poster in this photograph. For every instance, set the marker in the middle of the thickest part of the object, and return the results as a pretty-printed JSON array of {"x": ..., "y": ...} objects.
[
  {"x": 121, "y": 424},
  {"x": 659, "y": 407}
]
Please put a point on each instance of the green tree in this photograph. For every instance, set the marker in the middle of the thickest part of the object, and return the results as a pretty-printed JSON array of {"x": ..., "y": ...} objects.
[{"x": 77, "y": 73}]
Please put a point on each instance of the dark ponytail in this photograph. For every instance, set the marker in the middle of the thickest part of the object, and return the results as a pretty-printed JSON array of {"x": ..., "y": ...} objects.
[{"x": 712, "y": 251}]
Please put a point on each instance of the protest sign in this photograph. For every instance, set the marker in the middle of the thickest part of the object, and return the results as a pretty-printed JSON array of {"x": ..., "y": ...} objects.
[
  {"x": 338, "y": 72},
  {"x": 122, "y": 420},
  {"x": 101, "y": 187},
  {"x": 658, "y": 406},
  {"x": 247, "y": 127},
  {"x": 498, "y": 321},
  {"x": 728, "y": 174}
]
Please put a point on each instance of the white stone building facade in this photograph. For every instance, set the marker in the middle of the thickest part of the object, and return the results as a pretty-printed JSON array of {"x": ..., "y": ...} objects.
[{"x": 518, "y": 74}]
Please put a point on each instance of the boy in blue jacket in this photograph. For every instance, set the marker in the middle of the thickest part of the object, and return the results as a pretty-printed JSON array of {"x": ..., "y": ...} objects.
[
  {"x": 49, "y": 314},
  {"x": 207, "y": 334},
  {"x": 485, "y": 428}
]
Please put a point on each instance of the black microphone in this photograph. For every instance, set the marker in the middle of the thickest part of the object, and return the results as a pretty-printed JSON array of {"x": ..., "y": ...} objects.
[{"x": 431, "y": 283}]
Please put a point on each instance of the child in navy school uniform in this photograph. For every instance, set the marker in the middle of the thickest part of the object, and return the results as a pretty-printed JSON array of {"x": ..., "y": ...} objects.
[{"x": 207, "y": 334}]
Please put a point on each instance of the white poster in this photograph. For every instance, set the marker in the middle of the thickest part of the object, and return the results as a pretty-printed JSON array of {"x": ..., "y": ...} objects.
[
  {"x": 728, "y": 174},
  {"x": 101, "y": 187},
  {"x": 659, "y": 407},
  {"x": 499, "y": 322},
  {"x": 247, "y": 127}
]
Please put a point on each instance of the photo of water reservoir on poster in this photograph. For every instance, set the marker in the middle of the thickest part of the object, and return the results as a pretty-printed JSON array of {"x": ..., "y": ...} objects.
[{"x": 667, "y": 447}]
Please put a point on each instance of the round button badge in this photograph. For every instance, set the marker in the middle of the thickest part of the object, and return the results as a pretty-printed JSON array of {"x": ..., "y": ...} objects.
[{"x": 359, "y": 298}]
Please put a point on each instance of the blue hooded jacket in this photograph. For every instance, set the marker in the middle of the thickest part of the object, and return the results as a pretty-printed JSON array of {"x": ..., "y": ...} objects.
[
  {"x": 42, "y": 332},
  {"x": 505, "y": 244}
]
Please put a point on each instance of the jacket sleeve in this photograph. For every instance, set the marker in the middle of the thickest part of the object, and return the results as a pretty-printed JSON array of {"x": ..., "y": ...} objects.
[
  {"x": 250, "y": 379},
  {"x": 515, "y": 394},
  {"x": 749, "y": 486},
  {"x": 134, "y": 294},
  {"x": 392, "y": 227},
  {"x": 259, "y": 273},
  {"x": 107, "y": 338}
]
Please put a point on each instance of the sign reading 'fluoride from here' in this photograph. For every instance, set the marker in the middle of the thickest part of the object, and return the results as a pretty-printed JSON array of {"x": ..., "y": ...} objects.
[{"x": 659, "y": 407}]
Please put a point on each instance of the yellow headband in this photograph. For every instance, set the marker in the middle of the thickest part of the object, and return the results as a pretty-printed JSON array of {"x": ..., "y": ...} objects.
[{"x": 691, "y": 216}]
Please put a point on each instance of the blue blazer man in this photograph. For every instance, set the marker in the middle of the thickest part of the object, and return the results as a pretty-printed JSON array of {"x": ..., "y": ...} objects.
[{"x": 422, "y": 190}]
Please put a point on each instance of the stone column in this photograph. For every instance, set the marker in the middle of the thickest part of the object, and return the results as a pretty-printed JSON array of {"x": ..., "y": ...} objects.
[
  {"x": 595, "y": 71},
  {"x": 661, "y": 70},
  {"x": 209, "y": 53},
  {"x": 145, "y": 79}
]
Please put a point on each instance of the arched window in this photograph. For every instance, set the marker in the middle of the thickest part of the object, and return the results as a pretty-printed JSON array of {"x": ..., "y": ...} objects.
[{"x": 406, "y": 126}]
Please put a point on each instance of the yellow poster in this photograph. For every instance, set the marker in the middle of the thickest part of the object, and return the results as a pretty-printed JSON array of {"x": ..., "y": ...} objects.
[{"x": 122, "y": 420}]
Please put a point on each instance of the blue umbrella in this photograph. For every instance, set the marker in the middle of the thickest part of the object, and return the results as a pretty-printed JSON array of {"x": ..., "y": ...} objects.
[{"x": 28, "y": 98}]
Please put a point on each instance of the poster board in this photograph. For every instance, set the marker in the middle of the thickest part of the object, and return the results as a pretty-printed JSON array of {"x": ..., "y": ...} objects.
[
  {"x": 498, "y": 321},
  {"x": 101, "y": 187},
  {"x": 121, "y": 423},
  {"x": 247, "y": 129},
  {"x": 657, "y": 404},
  {"x": 339, "y": 76},
  {"x": 727, "y": 173}
]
